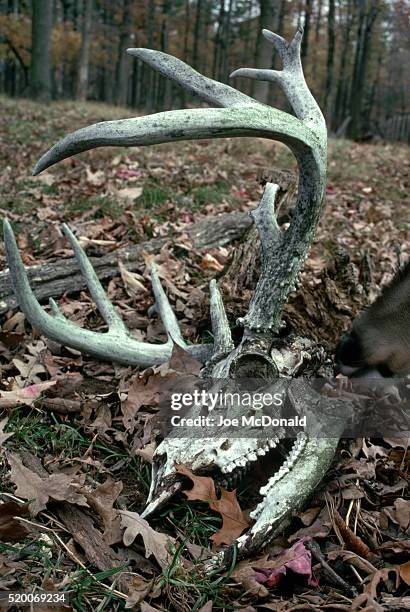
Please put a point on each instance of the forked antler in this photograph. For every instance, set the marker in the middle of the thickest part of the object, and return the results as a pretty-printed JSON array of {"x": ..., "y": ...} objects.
[
  {"x": 283, "y": 252},
  {"x": 117, "y": 344}
]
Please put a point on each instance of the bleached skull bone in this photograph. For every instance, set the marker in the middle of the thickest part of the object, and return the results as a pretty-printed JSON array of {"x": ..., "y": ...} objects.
[{"x": 231, "y": 455}]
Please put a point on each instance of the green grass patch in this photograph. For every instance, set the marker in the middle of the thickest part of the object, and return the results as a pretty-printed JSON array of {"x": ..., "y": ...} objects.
[
  {"x": 104, "y": 205},
  {"x": 210, "y": 194},
  {"x": 154, "y": 195}
]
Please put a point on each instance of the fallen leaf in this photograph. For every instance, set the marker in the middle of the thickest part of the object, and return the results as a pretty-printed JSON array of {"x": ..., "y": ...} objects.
[
  {"x": 102, "y": 499},
  {"x": 103, "y": 422},
  {"x": 297, "y": 559},
  {"x": 207, "y": 607},
  {"x": 157, "y": 544},
  {"x": 46, "y": 177},
  {"x": 181, "y": 361},
  {"x": 11, "y": 529},
  {"x": 363, "y": 565},
  {"x": 129, "y": 194},
  {"x": 30, "y": 486},
  {"x": 95, "y": 178},
  {"x": 137, "y": 592},
  {"x": 404, "y": 571},
  {"x": 30, "y": 369},
  {"x": 133, "y": 282},
  {"x": 147, "y": 452},
  {"x": 388, "y": 576},
  {"x": 233, "y": 520},
  {"x": 209, "y": 262},
  {"x": 27, "y": 395},
  {"x": 400, "y": 513},
  {"x": 318, "y": 529},
  {"x": 11, "y": 339},
  {"x": 142, "y": 392},
  {"x": 245, "y": 575}
]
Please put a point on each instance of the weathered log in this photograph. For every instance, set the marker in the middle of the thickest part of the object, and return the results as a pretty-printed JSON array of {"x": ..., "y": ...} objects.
[{"x": 64, "y": 276}]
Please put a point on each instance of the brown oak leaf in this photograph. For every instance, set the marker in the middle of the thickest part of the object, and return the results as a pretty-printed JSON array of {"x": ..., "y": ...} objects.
[
  {"x": 30, "y": 486},
  {"x": 157, "y": 544},
  {"x": 233, "y": 520}
]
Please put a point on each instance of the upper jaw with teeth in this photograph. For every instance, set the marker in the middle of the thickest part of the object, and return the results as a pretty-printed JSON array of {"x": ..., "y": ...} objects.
[{"x": 282, "y": 492}]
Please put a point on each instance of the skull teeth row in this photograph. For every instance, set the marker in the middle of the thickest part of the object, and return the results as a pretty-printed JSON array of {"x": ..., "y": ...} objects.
[
  {"x": 295, "y": 452},
  {"x": 252, "y": 455}
]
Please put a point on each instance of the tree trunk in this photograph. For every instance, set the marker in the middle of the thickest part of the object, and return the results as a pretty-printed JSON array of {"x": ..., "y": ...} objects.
[
  {"x": 124, "y": 63},
  {"x": 306, "y": 28},
  {"x": 342, "y": 85},
  {"x": 41, "y": 50},
  {"x": 317, "y": 38},
  {"x": 147, "y": 71},
  {"x": 83, "y": 69},
  {"x": 218, "y": 42},
  {"x": 186, "y": 30},
  {"x": 197, "y": 35},
  {"x": 264, "y": 49},
  {"x": 330, "y": 59},
  {"x": 227, "y": 43},
  {"x": 368, "y": 12}
]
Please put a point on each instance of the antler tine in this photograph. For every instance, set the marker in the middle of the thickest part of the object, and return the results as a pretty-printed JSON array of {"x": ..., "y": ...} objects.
[
  {"x": 292, "y": 81},
  {"x": 164, "y": 309},
  {"x": 195, "y": 83},
  {"x": 188, "y": 124},
  {"x": 117, "y": 345},
  {"x": 107, "y": 310},
  {"x": 220, "y": 325}
]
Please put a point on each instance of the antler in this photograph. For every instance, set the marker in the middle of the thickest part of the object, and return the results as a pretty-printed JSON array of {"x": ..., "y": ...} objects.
[
  {"x": 115, "y": 345},
  {"x": 283, "y": 252}
]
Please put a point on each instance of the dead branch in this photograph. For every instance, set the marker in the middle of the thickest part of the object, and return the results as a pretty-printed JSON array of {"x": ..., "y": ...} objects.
[{"x": 52, "y": 280}]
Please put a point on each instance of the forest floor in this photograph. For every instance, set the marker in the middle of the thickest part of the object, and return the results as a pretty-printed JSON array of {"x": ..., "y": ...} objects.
[{"x": 77, "y": 435}]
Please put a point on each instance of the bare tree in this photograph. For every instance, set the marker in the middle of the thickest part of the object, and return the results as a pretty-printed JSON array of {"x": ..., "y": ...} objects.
[
  {"x": 306, "y": 27},
  {"x": 368, "y": 11},
  {"x": 83, "y": 68},
  {"x": 330, "y": 58},
  {"x": 123, "y": 66},
  {"x": 41, "y": 50},
  {"x": 264, "y": 52}
]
